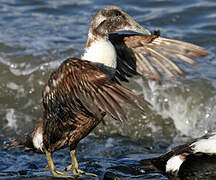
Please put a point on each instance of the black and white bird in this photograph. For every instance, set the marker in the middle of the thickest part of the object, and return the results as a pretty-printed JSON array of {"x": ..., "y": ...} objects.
[
  {"x": 193, "y": 160},
  {"x": 83, "y": 90},
  {"x": 187, "y": 159}
]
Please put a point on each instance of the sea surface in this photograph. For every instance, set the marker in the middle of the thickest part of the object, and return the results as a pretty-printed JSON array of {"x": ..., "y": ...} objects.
[{"x": 36, "y": 36}]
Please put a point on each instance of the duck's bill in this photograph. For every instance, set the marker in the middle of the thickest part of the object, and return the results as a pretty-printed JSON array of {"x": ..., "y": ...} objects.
[{"x": 134, "y": 26}]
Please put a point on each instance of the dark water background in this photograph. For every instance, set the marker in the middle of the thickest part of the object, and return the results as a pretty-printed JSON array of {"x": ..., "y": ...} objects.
[{"x": 36, "y": 35}]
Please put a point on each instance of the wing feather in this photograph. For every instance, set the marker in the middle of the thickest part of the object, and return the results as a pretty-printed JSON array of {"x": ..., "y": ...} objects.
[
  {"x": 148, "y": 54},
  {"x": 169, "y": 62},
  {"x": 164, "y": 68},
  {"x": 145, "y": 67},
  {"x": 79, "y": 87}
]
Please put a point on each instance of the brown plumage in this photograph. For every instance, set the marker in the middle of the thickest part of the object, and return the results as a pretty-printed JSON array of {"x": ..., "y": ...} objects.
[
  {"x": 76, "y": 98},
  {"x": 79, "y": 94},
  {"x": 139, "y": 51},
  {"x": 152, "y": 55}
]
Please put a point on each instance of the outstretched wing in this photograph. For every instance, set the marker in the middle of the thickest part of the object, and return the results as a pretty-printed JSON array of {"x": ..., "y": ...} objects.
[
  {"x": 151, "y": 55},
  {"x": 79, "y": 87}
]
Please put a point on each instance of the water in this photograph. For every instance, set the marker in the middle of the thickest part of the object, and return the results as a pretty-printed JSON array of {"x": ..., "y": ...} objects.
[{"x": 36, "y": 36}]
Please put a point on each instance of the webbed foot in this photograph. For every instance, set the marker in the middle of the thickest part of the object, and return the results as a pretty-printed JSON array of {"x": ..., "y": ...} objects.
[
  {"x": 52, "y": 167},
  {"x": 75, "y": 166},
  {"x": 77, "y": 171}
]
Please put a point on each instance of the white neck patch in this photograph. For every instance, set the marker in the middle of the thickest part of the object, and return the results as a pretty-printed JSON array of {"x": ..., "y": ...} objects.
[{"x": 101, "y": 51}]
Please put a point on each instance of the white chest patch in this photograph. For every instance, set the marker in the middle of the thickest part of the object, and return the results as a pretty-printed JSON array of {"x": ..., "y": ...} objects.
[
  {"x": 38, "y": 141},
  {"x": 101, "y": 51},
  {"x": 174, "y": 163},
  {"x": 205, "y": 145}
]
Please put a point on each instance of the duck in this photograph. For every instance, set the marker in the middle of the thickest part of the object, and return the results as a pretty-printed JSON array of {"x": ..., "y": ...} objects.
[
  {"x": 194, "y": 159},
  {"x": 132, "y": 49},
  {"x": 82, "y": 91},
  {"x": 75, "y": 100}
]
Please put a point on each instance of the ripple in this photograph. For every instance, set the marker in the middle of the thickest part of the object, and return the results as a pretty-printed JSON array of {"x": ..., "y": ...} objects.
[{"x": 35, "y": 36}]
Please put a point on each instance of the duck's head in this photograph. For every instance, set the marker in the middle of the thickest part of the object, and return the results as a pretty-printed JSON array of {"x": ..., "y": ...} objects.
[{"x": 112, "y": 19}]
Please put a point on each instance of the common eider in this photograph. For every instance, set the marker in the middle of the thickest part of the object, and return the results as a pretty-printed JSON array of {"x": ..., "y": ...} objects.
[
  {"x": 136, "y": 51},
  {"x": 193, "y": 160},
  {"x": 75, "y": 100},
  {"x": 83, "y": 90},
  {"x": 184, "y": 160}
]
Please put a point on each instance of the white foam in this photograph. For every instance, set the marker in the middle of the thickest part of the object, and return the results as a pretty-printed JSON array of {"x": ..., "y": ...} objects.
[
  {"x": 11, "y": 118},
  {"x": 109, "y": 143},
  {"x": 12, "y": 85},
  {"x": 184, "y": 104}
]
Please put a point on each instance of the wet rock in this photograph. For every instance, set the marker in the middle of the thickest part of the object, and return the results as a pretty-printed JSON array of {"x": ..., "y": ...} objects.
[
  {"x": 42, "y": 178},
  {"x": 112, "y": 176},
  {"x": 194, "y": 168},
  {"x": 23, "y": 172},
  {"x": 132, "y": 172}
]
